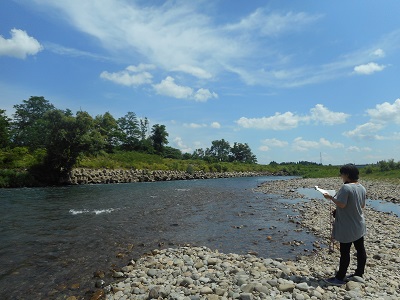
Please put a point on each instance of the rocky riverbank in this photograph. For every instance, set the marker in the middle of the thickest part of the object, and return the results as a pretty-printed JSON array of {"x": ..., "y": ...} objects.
[
  {"x": 202, "y": 273},
  {"x": 105, "y": 176}
]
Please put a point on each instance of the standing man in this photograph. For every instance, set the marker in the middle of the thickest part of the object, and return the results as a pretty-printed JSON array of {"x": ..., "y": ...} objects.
[{"x": 349, "y": 227}]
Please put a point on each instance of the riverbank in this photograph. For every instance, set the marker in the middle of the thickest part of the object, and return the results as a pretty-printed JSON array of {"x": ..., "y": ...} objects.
[
  {"x": 202, "y": 273},
  {"x": 105, "y": 176}
]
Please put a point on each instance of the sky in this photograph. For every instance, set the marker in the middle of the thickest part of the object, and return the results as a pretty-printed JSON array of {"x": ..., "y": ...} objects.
[{"x": 312, "y": 80}]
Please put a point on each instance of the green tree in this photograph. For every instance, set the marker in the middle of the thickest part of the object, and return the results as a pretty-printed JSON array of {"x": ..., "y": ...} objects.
[
  {"x": 68, "y": 137},
  {"x": 130, "y": 131},
  {"x": 174, "y": 153},
  {"x": 219, "y": 150},
  {"x": 144, "y": 128},
  {"x": 5, "y": 124},
  {"x": 159, "y": 137},
  {"x": 242, "y": 153},
  {"x": 29, "y": 128},
  {"x": 109, "y": 130}
]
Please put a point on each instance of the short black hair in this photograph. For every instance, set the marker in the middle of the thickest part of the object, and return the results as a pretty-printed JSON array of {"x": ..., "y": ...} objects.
[{"x": 351, "y": 171}]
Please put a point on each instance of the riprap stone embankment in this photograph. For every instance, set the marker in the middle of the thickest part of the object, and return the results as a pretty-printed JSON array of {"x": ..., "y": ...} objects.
[{"x": 105, "y": 176}]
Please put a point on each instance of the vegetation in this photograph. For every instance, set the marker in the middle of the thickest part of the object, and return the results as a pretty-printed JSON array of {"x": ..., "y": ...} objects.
[{"x": 41, "y": 144}]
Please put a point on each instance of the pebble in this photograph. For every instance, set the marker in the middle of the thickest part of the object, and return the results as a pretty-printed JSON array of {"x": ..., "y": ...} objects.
[{"x": 200, "y": 273}]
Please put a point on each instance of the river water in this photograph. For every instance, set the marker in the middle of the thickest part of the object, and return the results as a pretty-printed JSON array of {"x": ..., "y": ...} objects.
[{"x": 53, "y": 239}]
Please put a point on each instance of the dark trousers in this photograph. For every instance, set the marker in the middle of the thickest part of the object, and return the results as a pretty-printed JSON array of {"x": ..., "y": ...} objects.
[{"x": 345, "y": 258}]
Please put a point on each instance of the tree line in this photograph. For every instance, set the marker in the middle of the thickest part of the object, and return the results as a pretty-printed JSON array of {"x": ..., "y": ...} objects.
[{"x": 60, "y": 138}]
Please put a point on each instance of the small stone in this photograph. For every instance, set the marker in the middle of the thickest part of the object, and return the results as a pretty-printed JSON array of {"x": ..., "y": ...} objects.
[
  {"x": 286, "y": 287},
  {"x": 205, "y": 290},
  {"x": 246, "y": 296}
]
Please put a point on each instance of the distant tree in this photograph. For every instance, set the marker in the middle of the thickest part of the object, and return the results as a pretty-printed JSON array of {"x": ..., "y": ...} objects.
[
  {"x": 130, "y": 131},
  {"x": 170, "y": 152},
  {"x": 5, "y": 124},
  {"x": 144, "y": 128},
  {"x": 159, "y": 137},
  {"x": 199, "y": 154},
  {"x": 29, "y": 128},
  {"x": 219, "y": 150},
  {"x": 109, "y": 130},
  {"x": 242, "y": 153}
]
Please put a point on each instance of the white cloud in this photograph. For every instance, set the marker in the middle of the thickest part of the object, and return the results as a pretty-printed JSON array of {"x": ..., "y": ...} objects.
[
  {"x": 358, "y": 149},
  {"x": 279, "y": 121},
  {"x": 275, "y": 143},
  {"x": 264, "y": 148},
  {"x": 366, "y": 131},
  {"x": 168, "y": 87},
  {"x": 386, "y": 112},
  {"x": 215, "y": 125},
  {"x": 368, "y": 68},
  {"x": 194, "y": 71},
  {"x": 379, "y": 53},
  {"x": 321, "y": 114},
  {"x": 299, "y": 144},
  {"x": 272, "y": 24},
  {"x": 20, "y": 45},
  {"x": 194, "y": 125},
  {"x": 181, "y": 145},
  {"x": 131, "y": 76},
  {"x": 202, "y": 95},
  {"x": 289, "y": 120}
]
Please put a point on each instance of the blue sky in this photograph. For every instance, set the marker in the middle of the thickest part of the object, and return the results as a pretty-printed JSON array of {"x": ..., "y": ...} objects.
[{"x": 295, "y": 80}]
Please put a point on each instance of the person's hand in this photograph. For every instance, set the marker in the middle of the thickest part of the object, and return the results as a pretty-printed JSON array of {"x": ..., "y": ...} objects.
[{"x": 327, "y": 196}]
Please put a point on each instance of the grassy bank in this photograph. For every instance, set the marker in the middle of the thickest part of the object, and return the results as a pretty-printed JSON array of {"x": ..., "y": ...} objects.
[{"x": 15, "y": 165}]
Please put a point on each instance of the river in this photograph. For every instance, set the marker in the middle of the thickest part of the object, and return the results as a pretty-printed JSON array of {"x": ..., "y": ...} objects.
[{"x": 53, "y": 239}]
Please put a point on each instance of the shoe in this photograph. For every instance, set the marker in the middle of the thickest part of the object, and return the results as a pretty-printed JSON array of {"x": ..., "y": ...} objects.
[
  {"x": 354, "y": 277},
  {"x": 334, "y": 281}
]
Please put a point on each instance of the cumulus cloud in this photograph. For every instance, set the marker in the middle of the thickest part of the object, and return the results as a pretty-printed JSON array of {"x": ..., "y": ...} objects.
[
  {"x": 299, "y": 144},
  {"x": 267, "y": 144},
  {"x": 368, "y": 68},
  {"x": 381, "y": 117},
  {"x": 321, "y": 114},
  {"x": 386, "y": 112},
  {"x": 358, "y": 149},
  {"x": 168, "y": 87},
  {"x": 289, "y": 120},
  {"x": 366, "y": 131},
  {"x": 181, "y": 145},
  {"x": 379, "y": 53},
  {"x": 279, "y": 121},
  {"x": 215, "y": 125},
  {"x": 20, "y": 45},
  {"x": 194, "y": 125},
  {"x": 131, "y": 76}
]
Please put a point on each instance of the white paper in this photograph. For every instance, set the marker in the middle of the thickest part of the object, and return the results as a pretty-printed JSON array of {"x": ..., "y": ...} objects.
[{"x": 330, "y": 192}]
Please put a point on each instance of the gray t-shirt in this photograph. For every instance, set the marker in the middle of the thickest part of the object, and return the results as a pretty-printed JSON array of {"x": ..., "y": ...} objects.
[{"x": 349, "y": 223}]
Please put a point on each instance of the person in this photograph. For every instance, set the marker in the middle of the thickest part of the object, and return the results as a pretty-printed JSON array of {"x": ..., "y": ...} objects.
[{"x": 349, "y": 225}]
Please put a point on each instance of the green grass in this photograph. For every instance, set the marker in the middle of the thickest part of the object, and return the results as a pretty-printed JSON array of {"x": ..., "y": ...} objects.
[{"x": 14, "y": 164}]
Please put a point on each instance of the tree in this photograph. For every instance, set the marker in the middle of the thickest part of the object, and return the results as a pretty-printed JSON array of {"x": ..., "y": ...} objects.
[
  {"x": 219, "y": 150},
  {"x": 29, "y": 127},
  {"x": 109, "y": 130},
  {"x": 68, "y": 137},
  {"x": 174, "y": 153},
  {"x": 130, "y": 131},
  {"x": 5, "y": 123},
  {"x": 242, "y": 153},
  {"x": 144, "y": 128},
  {"x": 159, "y": 137}
]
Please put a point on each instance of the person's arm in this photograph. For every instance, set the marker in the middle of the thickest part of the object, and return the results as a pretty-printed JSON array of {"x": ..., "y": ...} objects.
[{"x": 338, "y": 203}]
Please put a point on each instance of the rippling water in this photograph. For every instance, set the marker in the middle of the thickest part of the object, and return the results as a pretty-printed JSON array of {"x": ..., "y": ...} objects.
[{"x": 53, "y": 239}]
